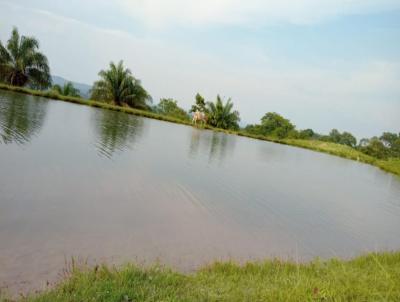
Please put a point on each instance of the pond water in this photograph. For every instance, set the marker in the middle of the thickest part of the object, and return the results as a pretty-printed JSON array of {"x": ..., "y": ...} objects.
[{"x": 100, "y": 186}]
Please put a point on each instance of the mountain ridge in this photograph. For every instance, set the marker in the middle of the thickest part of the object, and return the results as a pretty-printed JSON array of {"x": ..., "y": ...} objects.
[{"x": 84, "y": 89}]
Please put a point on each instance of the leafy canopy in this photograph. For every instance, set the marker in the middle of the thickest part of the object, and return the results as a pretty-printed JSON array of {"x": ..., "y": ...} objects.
[
  {"x": 306, "y": 134},
  {"x": 385, "y": 146},
  {"x": 22, "y": 64},
  {"x": 170, "y": 107},
  {"x": 200, "y": 104},
  {"x": 68, "y": 90},
  {"x": 118, "y": 85},
  {"x": 345, "y": 138},
  {"x": 273, "y": 124},
  {"x": 222, "y": 115}
]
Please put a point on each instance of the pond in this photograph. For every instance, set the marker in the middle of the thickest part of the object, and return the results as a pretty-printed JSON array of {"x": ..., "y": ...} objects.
[{"x": 104, "y": 186}]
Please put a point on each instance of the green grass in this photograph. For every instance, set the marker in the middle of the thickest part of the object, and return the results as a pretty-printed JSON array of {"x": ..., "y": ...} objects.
[
  {"x": 373, "y": 277},
  {"x": 392, "y": 165}
]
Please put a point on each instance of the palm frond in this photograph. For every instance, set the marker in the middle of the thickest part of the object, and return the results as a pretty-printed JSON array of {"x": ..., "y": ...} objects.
[
  {"x": 13, "y": 43},
  {"x": 22, "y": 64},
  {"x": 119, "y": 86},
  {"x": 5, "y": 57}
]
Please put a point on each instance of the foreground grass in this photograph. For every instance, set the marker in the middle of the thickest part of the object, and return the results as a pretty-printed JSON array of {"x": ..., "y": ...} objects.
[
  {"x": 374, "y": 277},
  {"x": 392, "y": 165}
]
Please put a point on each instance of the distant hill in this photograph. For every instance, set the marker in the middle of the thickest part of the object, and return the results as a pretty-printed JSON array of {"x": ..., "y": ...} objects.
[{"x": 83, "y": 88}]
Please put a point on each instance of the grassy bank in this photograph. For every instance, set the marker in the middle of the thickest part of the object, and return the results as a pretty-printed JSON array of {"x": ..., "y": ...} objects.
[
  {"x": 392, "y": 166},
  {"x": 81, "y": 101},
  {"x": 374, "y": 277}
]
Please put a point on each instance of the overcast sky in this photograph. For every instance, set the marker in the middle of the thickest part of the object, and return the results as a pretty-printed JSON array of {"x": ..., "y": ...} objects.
[{"x": 322, "y": 64}]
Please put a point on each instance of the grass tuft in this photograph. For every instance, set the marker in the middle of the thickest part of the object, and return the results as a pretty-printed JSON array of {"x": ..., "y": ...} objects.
[{"x": 372, "y": 277}]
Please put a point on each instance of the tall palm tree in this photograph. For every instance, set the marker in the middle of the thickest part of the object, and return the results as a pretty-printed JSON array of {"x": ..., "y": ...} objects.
[
  {"x": 68, "y": 90},
  {"x": 117, "y": 85},
  {"x": 220, "y": 115},
  {"x": 22, "y": 64}
]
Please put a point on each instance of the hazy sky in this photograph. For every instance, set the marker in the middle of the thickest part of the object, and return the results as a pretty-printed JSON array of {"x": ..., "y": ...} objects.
[{"x": 322, "y": 64}]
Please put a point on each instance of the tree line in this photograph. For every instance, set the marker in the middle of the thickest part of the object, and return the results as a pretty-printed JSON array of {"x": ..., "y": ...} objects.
[
  {"x": 274, "y": 125},
  {"x": 22, "y": 64}
]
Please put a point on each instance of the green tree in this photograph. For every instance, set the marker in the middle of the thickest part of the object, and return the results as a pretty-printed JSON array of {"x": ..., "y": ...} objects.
[
  {"x": 306, "y": 134},
  {"x": 334, "y": 136},
  {"x": 200, "y": 104},
  {"x": 222, "y": 115},
  {"x": 389, "y": 138},
  {"x": 253, "y": 129},
  {"x": 374, "y": 147},
  {"x": 22, "y": 64},
  {"x": 391, "y": 141},
  {"x": 387, "y": 145},
  {"x": 170, "y": 107},
  {"x": 345, "y": 138},
  {"x": 68, "y": 89},
  {"x": 117, "y": 85},
  {"x": 273, "y": 124},
  {"x": 395, "y": 148},
  {"x": 363, "y": 142},
  {"x": 348, "y": 139}
]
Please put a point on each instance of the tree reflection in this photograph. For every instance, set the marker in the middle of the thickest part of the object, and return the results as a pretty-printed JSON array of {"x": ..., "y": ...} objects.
[
  {"x": 218, "y": 145},
  {"x": 21, "y": 117},
  {"x": 194, "y": 142},
  {"x": 116, "y": 131}
]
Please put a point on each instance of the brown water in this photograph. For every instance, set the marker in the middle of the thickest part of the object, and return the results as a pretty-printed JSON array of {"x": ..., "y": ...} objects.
[{"x": 102, "y": 186}]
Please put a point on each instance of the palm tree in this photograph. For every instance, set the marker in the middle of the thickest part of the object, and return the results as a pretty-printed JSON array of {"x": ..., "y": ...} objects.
[
  {"x": 117, "y": 85},
  {"x": 22, "y": 64},
  {"x": 220, "y": 115},
  {"x": 68, "y": 90}
]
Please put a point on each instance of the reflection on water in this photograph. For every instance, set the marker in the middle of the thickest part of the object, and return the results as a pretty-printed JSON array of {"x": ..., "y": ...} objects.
[
  {"x": 115, "y": 131},
  {"x": 173, "y": 193},
  {"x": 21, "y": 117},
  {"x": 217, "y": 144}
]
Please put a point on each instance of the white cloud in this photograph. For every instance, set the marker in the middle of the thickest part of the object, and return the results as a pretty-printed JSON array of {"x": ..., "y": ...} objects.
[{"x": 161, "y": 13}]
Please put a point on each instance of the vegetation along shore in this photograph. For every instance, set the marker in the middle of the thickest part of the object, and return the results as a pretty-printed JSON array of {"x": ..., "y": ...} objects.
[
  {"x": 391, "y": 165},
  {"x": 24, "y": 69},
  {"x": 372, "y": 277}
]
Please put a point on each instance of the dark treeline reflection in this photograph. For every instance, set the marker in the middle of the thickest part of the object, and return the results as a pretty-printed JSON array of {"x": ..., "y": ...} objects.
[
  {"x": 216, "y": 144},
  {"x": 115, "y": 131},
  {"x": 21, "y": 117}
]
